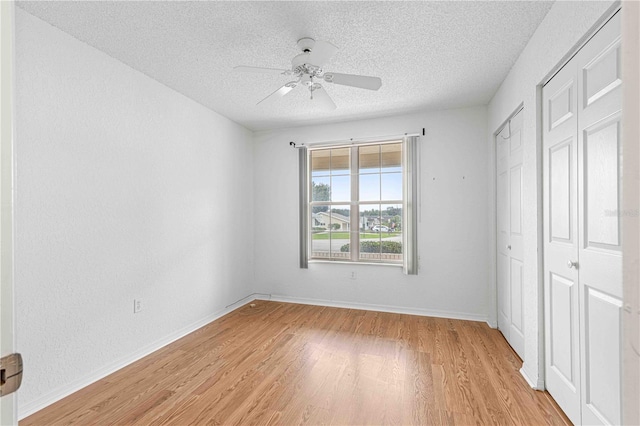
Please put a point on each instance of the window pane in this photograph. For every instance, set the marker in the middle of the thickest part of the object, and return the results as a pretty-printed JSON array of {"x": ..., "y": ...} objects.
[
  {"x": 330, "y": 229},
  {"x": 340, "y": 161},
  {"x": 370, "y": 187},
  {"x": 321, "y": 189},
  {"x": 340, "y": 188},
  {"x": 391, "y": 233},
  {"x": 369, "y": 159},
  {"x": 391, "y": 157},
  {"x": 340, "y": 232},
  {"x": 320, "y": 225},
  {"x": 369, "y": 237},
  {"x": 391, "y": 186},
  {"x": 369, "y": 217},
  {"x": 320, "y": 162}
]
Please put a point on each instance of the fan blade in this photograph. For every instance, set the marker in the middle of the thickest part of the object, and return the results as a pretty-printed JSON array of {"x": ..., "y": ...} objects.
[
  {"x": 321, "y": 52},
  {"x": 260, "y": 70},
  {"x": 322, "y": 98},
  {"x": 279, "y": 93},
  {"x": 361, "y": 81}
]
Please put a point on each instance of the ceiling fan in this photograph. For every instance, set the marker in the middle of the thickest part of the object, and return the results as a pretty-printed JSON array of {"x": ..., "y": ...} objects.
[{"x": 307, "y": 69}]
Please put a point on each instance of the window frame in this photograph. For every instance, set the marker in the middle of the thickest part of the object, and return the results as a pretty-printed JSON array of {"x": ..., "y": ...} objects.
[{"x": 355, "y": 203}]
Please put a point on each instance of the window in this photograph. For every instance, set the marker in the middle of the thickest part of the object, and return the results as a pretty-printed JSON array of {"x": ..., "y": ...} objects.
[{"x": 356, "y": 200}]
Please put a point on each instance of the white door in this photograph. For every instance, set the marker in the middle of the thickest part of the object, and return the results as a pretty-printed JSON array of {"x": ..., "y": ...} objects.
[
  {"x": 561, "y": 305},
  {"x": 7, "y": 403},
  {"x": 600, "y": 246},
  {"x": 582, "y": 240},
  {"x": 509, "y": 228}
]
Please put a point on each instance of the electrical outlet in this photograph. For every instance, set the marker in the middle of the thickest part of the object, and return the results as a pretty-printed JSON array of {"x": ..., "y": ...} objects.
[
  {"x": 137, "y": 305},
  {"x": 354, "y": 275}
]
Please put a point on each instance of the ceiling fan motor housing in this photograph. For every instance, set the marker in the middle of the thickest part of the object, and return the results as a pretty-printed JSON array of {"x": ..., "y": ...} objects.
[
  {"x": 299, "y": 60},
  {"x": 300, "y": 66}
]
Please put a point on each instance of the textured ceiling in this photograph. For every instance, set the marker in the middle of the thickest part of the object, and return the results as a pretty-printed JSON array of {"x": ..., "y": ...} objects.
[{"x": 432, "y": 55}]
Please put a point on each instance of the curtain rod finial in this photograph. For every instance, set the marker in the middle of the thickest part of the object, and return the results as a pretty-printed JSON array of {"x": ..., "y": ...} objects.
[{"x": 292, "y": 143}]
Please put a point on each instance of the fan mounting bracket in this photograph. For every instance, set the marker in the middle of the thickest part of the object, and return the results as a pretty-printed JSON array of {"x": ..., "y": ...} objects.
[{"x": 306, "y": 44}]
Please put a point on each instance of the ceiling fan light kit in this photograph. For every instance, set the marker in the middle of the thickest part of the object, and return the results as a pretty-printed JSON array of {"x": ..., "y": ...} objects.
[{"x": 307, "y": 68}]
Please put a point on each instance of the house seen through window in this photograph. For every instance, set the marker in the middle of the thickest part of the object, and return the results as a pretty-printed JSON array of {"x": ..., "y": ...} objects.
[{"x": 356, "y": 203}]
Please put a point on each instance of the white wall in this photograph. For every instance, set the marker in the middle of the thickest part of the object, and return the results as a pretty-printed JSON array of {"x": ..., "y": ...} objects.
[
  {"x": 125, "y": 189},
  {"x": 560, "y": 31},
  {"x": 453, "y": 236}
]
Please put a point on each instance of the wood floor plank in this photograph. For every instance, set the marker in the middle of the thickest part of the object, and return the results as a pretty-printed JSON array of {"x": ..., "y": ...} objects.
[{"x": 282, "y": 364}]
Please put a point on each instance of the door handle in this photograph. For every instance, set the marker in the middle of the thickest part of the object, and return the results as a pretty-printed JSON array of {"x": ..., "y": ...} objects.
[
  {"x": 571, "y": 264},
  {"x": 509, "y": 247}
]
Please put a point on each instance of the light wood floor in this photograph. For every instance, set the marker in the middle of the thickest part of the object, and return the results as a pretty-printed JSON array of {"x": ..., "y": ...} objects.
[{"x": 280, "y": 363}]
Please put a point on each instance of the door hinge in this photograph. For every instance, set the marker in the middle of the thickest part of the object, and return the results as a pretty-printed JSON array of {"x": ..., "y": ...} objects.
[{"x": 10, "y": 373}]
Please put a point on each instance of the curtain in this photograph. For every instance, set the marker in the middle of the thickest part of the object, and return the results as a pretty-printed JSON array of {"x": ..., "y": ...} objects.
[
  {"x": 410, "y": 210},
  {"x": 303, "y": 187}
]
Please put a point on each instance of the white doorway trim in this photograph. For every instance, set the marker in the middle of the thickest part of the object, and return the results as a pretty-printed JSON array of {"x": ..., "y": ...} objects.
[
  {"x": 8, "y": 410},
  {"x": 630, "y": 221}
]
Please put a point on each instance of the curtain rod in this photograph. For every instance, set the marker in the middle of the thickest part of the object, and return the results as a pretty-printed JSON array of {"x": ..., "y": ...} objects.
[{"x": 354, "y": 141}]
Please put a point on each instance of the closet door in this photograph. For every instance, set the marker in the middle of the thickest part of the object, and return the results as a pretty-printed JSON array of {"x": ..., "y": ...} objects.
[
  {"x": 582, "y": 160},
  {"x": 509, "y": 238},
  {"x": 600, "y": 250},
  {"x": 502, "y": 239},
  {"x": 561, "y": 301}
]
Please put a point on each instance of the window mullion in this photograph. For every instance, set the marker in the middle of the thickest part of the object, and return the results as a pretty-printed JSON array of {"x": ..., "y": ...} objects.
[{"x": 354, "y": 235}]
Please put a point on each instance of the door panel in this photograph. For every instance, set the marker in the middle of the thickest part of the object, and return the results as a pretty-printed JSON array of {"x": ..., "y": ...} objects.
[
  {"x": 509, "y": 238},
  {"x": 504, "y": 298},
  {"x": 602, "y": 74},
  {"x": 561, "y": 106},
  {"x": 602, "y": 389},
  {"x": 516, "y": 294},
  {"x": 502, "y": 210},
  {"x": 516, "y": 134},
  {"x": 560, "y": 187},
  {"x": 599, "y": 76},
  {"x": 562, "y": 350},
  {"x": 515, "y": 252},
  {"x": 601, "y": 184},
  {"x": 561, "y": 301},
  {"x": 515, "y": 200},
  {"x": 600, "y": 251}
]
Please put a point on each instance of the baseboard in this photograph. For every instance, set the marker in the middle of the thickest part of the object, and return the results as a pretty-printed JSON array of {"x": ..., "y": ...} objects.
[
  {"x": 535, "y": 384},
  {"x": 66, "y": 390},
  {"x": 379, "y": 308}
]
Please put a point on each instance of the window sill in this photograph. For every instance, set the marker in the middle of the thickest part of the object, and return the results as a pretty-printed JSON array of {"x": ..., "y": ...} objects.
[{"x": 342, "y": 262}]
